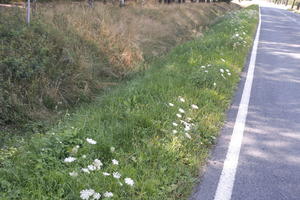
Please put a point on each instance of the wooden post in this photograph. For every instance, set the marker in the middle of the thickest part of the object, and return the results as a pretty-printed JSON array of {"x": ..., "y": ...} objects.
[{"x": 28, "y": 12}]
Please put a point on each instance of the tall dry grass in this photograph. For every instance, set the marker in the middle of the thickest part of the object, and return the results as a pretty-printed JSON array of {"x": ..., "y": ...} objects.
[
  {"x": 76, "y": 50},
  {"x": 129, "y": 35}
]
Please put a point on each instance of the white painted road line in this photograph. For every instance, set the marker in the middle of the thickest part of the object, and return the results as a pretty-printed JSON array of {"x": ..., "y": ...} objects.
[{"x": 226, "y": 181}]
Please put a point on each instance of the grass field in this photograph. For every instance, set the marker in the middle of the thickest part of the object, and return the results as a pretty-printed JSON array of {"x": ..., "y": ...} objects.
[{"x": 144, "y": 139}]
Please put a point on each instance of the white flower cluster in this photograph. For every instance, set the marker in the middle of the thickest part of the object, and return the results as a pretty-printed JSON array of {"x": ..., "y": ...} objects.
[
  {"x": 236, "y": 23},
  {"x": 91, "y": 141},
  {"x": 239, "y": 37},
  {"x": 117, "y": 175},
  {"x": 115, "y": 162},
  {"x": 96, "y": 165},
  {"x": 223, "y": 72},
  {"x": 69, "y": 159},
  {"x": 129, "y": 181},
  {"x": 90, "y": 194},
  {"x": 183, "y": 123}
]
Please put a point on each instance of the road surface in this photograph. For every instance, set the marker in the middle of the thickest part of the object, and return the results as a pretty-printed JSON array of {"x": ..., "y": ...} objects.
[{"x": 268, "y": 165}]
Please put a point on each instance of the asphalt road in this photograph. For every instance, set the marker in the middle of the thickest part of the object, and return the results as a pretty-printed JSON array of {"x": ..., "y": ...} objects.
[{"x": 269, "y": 159}]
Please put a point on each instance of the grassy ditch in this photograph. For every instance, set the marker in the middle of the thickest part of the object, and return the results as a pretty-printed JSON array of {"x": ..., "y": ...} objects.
[
  {"x": 154, "y": 131},
  {"x": 71, "y": 52}
]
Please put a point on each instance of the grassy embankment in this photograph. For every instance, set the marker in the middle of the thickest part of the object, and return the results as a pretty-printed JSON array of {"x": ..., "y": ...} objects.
[
  {"x": 70, "y": 51},
  {"x": 159, "y": 150}
]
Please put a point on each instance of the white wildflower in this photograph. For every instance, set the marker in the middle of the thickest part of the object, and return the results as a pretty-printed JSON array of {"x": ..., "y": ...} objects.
[
  {"x": 69, "y": 159},
  {"x": 181, "y": 99},
  {"x": 171, "y": 104},
  {"x": 227, "y": 70},
  {"x": 129, "y": 181},
  {"x": 188, "y": 135},
  {"x": 178, "y": 115},
  {"x": 83, "y": 156},
  {"x": 175, "y": 124},
  {"x": 91, "y": 167},
  {"x": 116, "y": 175},
  {"x": 206, "y": 71},
  {"x": 237, "y": 35},
  {"x": 85, "y": 194},
  {"x": 108, "y": 194},
  {"x": 223, "y": 60},
  {"x": 112, "y": 149},
  {"x": 115, "y": 162},
  {"x": 188, "y": 119},
  {"x": 229, "y": 74},
  {"x": 194, "y": 106},
  {"x": 133, "y": 159},
  {"x": 91, "y": 141},
  {"x": 106, "y": 174},
  {"x": 96, "y": 196},
  {"x": 222, "y": 70},
  {"x": 174, "y": 131},
  {"x": 97, "y": 163},
  {"x": 215, "y": 84},
  {"x": 85, "y": 170},
  {"x": 73, "y": 174},
  {"x": 181, "y": 110},
  {"x": 203, "y": 67},
  {"x": 187, "y": 128}
]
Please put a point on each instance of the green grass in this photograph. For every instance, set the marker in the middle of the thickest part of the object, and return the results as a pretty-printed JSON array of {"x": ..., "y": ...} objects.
[{"x": 136, "y": 119}]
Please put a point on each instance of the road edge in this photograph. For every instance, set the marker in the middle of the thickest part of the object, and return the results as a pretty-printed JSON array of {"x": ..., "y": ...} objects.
[
  {"x": 227, "y": 178},
  {"x": 216, "y": 157}
]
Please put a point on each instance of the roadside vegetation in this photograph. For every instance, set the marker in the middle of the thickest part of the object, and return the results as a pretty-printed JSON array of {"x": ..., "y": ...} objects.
[
  {"x": 70, "y": 52},
  {"x": 146, "y": 138}
]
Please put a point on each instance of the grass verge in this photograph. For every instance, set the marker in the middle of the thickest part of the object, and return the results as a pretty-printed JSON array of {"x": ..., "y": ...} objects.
[{"x": 159, "y": 127}]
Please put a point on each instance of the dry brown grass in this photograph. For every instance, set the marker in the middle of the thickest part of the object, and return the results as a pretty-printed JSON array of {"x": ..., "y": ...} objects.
[
  {"x": 89, "y": 48},
  {"x": 129, "y": 35}
]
